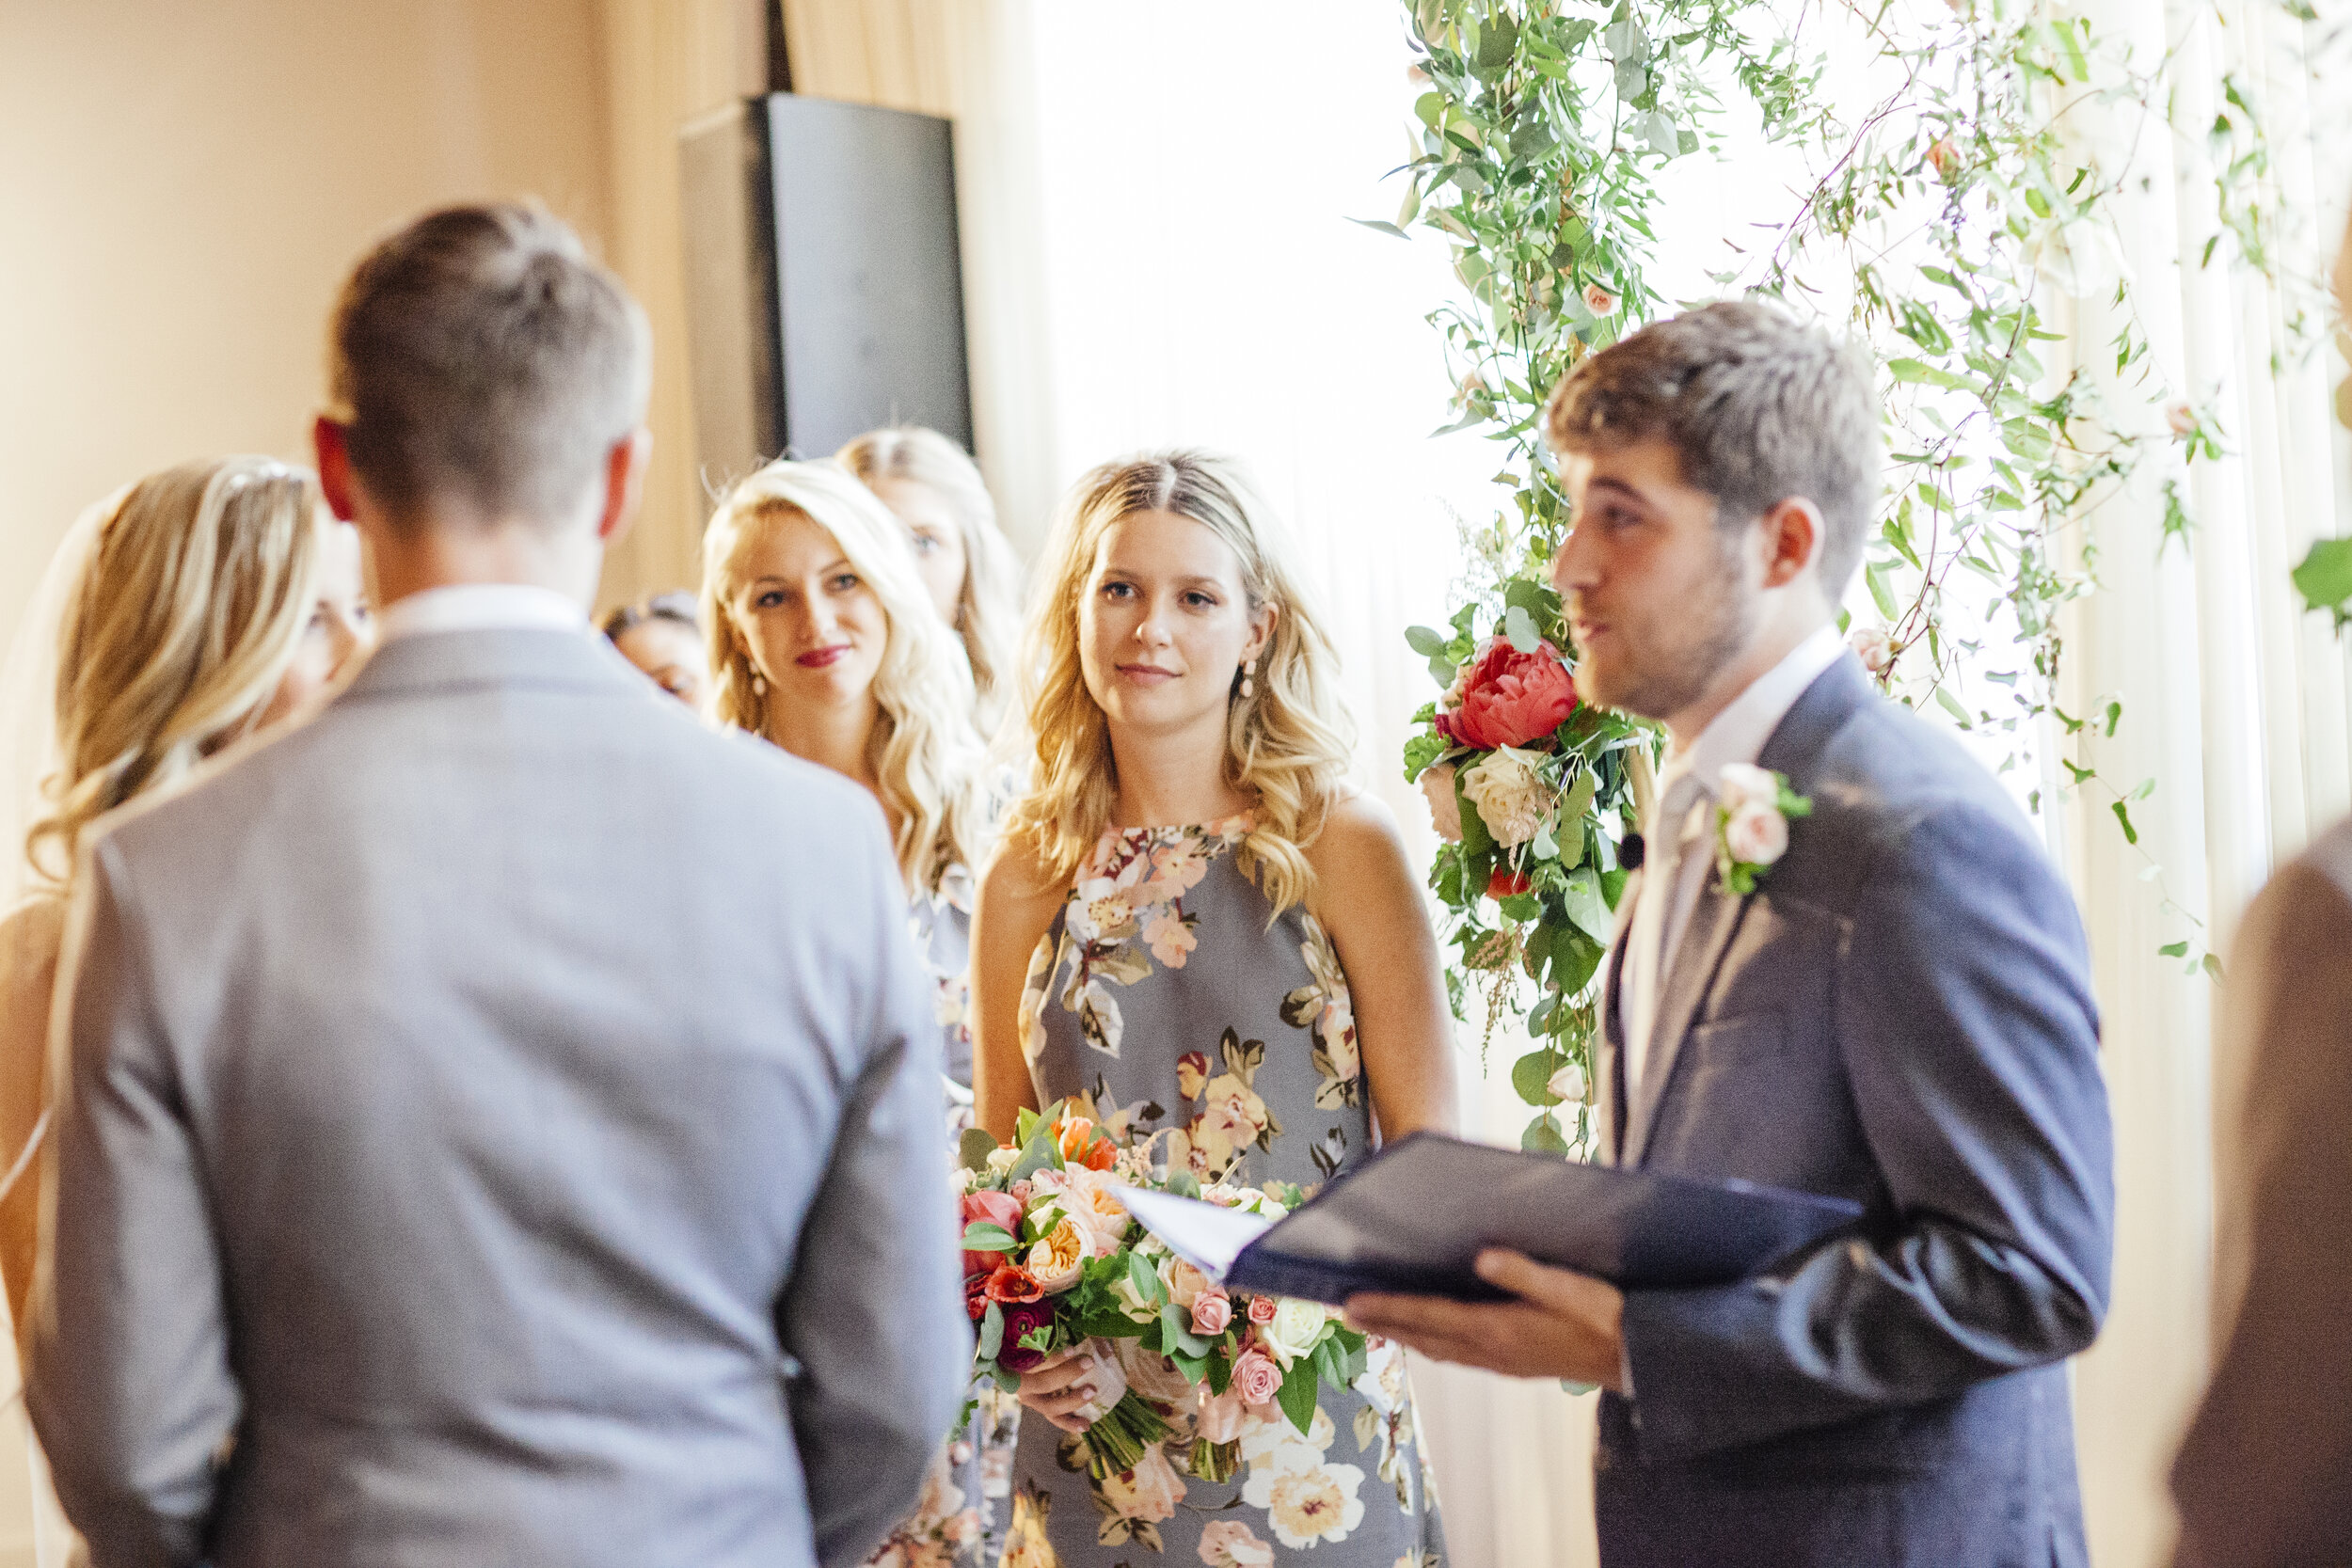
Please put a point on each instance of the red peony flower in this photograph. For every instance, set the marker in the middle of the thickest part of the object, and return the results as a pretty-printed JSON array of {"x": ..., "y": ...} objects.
[
  {"x": 1505, "y": 884},
  {"x": 1022, "y": 1317},
  {"x": 1510, "y": 698},
  {"x": 1013, "y": 1284},
  {"x": 996, "y": 1208}
]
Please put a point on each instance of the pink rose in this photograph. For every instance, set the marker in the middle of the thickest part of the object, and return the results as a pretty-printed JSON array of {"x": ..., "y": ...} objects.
[
  {"x": 1021, "y": 1190},
  {"x": 1943, "y": 157},
  {"x": 1262, "y": 1309},
  {"x": 1510, "y": 698},
  {"x": 996, "y": 1208},
  {"x": 1599, "y": 301},
  {"x": 1445, "y": 808},
  {"x": 1184, "y": 1282},
  {"x": 1222, "y": 1414},
  {"x": 2182, "y": 419},
  {"x": 1256, "y": 1375},
  {"x": 1211, "y": 1310},
  {"x": 1757, "y": 833},
  {"x": 1874, "y": 647}
]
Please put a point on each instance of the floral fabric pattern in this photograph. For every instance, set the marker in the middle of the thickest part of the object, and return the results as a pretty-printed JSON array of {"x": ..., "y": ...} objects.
[
  {"x": 958, "y": 1521},
  {"x": 1165, "y": 1000}
]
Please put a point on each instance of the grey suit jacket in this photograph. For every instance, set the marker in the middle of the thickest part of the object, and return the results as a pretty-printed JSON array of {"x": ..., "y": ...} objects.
[
  {"x": 2264, "y": 1477},
  {"x": 1900, "y": 1015},
  {"x": 503, "y": 1126}
]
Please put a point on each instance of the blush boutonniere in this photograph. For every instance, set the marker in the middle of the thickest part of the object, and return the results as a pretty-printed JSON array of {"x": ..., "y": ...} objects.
[{"x": 1753, "y": 806}]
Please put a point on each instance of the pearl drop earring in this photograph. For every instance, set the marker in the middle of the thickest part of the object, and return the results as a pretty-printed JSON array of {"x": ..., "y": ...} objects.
[
  {"x": 1248, "y": 681},
  {"x": 760, "y": 683}
]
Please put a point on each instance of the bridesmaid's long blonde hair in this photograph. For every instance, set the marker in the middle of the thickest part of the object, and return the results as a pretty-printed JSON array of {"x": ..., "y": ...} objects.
[
  {"x": 988, "y": 610},
  {"x": 1286, "y": 746},
  {"x": 188, "y": 613},
  {"x": 925, "y": 756}
]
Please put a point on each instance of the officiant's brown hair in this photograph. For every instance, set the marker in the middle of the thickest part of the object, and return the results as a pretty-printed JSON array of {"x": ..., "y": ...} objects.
[
  {"x": 479, "y": 357},
  {"x": 1758, "y": 407}
]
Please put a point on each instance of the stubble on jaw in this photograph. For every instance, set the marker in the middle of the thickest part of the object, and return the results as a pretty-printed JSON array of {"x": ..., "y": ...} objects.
[{"x": 1678, "y": 671}]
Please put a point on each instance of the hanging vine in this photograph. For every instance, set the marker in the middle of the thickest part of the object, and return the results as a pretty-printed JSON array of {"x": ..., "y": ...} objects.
[{"x": 1949, "y": 212}]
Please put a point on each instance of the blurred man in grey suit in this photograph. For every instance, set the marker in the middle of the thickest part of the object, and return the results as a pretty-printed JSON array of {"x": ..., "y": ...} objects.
[
  {"x": 502, "y": 1117},
  {"x": 2264, "y": 1477},
  {"x": 1900, "y": 1013}
]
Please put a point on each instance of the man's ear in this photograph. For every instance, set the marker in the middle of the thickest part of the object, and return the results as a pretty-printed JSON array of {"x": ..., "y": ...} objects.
[
  {"x": 1792, "y": 533},
  {"x": 330, "y": 441},
  {"x": 623, "y": 483}
]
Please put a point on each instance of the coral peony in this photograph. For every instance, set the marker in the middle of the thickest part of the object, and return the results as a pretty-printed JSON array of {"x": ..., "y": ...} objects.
[
  {"x": 1510, "y": 698},
  {"x": 1012, "y": 1283}
]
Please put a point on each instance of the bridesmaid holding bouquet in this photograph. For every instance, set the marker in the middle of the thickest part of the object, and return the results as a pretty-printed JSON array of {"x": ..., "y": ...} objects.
[{"x": 1195, "y": 926}]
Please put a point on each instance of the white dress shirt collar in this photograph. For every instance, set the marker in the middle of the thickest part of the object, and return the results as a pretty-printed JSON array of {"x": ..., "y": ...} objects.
[
  {"x": 1740, "y": 731},
  {"x": 481, "y": 607}
]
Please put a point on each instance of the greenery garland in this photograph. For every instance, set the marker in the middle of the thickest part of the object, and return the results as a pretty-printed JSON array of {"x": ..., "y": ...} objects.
[{"x": 1945, "y": 214}]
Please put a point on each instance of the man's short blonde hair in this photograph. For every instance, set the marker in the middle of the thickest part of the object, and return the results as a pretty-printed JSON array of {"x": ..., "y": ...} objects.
[{"x": 480, "y": 357}]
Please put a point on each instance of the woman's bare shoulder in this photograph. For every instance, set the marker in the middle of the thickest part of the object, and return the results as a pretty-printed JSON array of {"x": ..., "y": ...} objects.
[
  {"x": 1018, "y": 888},
  {"x": 1360, "y": 835},
  {"x": 30, "y": 935}
]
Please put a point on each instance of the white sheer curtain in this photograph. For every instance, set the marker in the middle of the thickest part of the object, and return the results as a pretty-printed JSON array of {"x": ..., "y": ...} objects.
[
  {"x": 2235, "y": 700},
  {"x": 1152, "y": 200}
]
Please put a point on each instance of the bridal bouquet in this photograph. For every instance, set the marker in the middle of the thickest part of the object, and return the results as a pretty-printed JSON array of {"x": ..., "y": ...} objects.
[{"x": 1052, "y": 1261}]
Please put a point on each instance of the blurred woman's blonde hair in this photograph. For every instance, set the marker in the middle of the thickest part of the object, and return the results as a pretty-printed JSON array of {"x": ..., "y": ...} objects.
[
  {"x": 187, "y": 615},
  {"x": 1286, "y": 746},
  {"x": 988, "y": 612},
  {"x": 924, "y": 752}
]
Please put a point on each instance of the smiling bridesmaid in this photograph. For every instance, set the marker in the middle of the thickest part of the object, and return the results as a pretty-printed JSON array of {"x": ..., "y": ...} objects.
[
  {"x": 1195, "y": 926},
  {"x": 823, "y": 640}
]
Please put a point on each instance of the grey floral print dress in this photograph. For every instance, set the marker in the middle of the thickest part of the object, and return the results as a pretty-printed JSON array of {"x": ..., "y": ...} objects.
[
  {"x": 1163, "y": 999},
  {"x": 960, "y": 1520}
]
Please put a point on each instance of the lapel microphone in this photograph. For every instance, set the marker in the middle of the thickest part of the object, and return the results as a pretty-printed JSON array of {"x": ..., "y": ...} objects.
[{"x": 1630, "y": 852}]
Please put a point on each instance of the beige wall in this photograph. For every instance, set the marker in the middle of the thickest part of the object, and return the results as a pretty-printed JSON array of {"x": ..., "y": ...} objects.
[{"x": 182, "y": 186}]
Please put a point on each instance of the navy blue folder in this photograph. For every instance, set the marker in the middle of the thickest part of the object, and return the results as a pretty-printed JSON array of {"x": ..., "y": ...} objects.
[{"x": 1413, "y": 1218}]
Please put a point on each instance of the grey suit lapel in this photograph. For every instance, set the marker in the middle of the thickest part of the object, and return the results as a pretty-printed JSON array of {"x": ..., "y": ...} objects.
[{"x": 1795, "y": 743}]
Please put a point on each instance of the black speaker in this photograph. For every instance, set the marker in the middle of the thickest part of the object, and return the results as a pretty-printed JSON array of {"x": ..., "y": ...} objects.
[{"x": 824, "y": 285}]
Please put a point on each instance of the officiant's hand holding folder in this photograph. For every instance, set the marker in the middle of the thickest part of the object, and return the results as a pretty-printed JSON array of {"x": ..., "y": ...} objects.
[{"x": 1414, "y": 1218}]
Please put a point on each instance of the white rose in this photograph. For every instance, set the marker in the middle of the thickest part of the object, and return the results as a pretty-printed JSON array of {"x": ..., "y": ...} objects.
[
  {"x": 1132, "y": 1302},
  {"x": 1510, "y": 795},
  {"x": 1568, "y": 1082},
  {"x": 1445, "y": 812},
  {"x": 961, "y": 1181},
  {"x": 1742, "y": 782},
  {"x": 1874, "y": 647},
  {"x": 1002, "y": 1160},
  {"x": 1757, "y": 833},
  {"x": 1297, "y": 1327}
]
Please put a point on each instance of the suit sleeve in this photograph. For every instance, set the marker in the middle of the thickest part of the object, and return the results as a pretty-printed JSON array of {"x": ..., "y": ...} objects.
[
  {"x": 874, "y": 1312},
  {"x": 2265, "y": 1475},
  {"x": 131, "y": 1389},
  {"x": 1963, "y": 1015}
]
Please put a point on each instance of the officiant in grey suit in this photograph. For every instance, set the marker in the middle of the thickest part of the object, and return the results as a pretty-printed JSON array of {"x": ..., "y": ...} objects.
[
  {"x": 502, "y": 1117},
  {"x": 1900, "y": 1014}
]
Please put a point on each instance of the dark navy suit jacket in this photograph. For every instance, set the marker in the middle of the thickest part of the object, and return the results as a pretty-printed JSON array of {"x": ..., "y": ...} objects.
[{"x": 1901, "y": 1014}]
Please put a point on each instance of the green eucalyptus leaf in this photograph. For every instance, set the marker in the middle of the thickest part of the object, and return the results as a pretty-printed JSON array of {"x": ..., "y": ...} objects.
[
  {"x": 1426, "y": 643},
  {"x": 1520, "y": 627},
  {"x": 1543, "y": 1136},
  {"x": 2325, "y": 576},
  {"x": 991, "y": 1338},
  {"x": 1531, "y": 1075},
  {"x": 973, "y": 1150}
]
